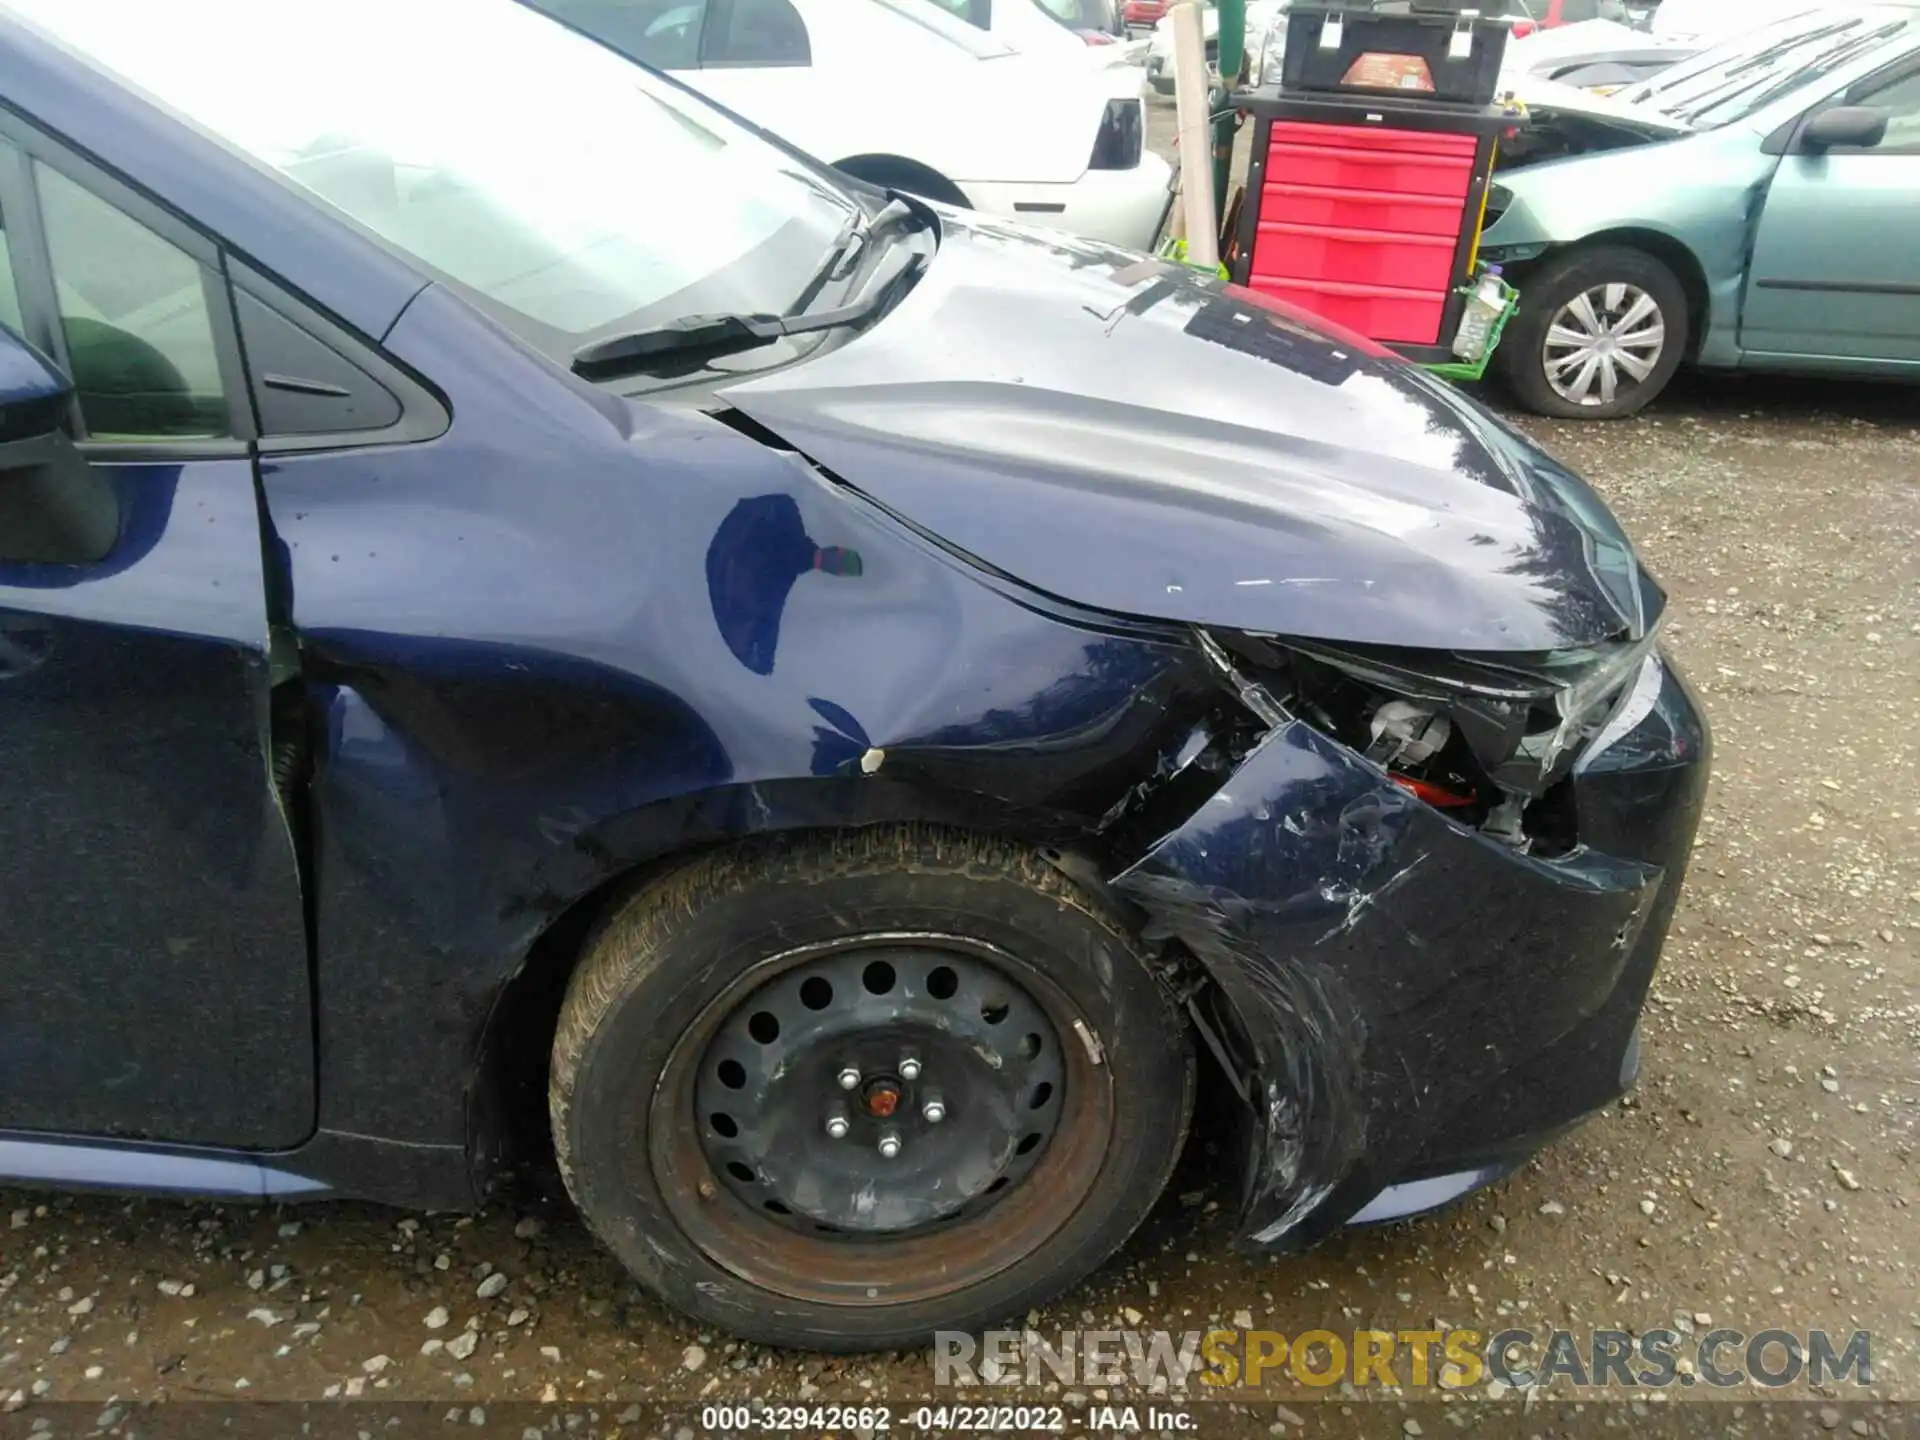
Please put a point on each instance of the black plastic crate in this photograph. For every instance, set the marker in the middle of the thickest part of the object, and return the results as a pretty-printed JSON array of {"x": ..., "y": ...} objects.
[{"x": 1375, "y": 52}]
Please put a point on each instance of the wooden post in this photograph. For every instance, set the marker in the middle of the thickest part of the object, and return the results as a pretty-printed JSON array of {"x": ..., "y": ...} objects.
[{"x": 1191, "y": 90}]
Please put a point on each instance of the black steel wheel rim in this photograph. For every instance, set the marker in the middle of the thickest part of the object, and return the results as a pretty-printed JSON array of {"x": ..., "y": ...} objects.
[{"x": 880, "y": 1090}]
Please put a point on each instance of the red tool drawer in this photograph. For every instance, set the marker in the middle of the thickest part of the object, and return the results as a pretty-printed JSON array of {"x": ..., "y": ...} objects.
[
  {"x": 1380, "y": 312},
  {"x": 1307, "y": 252},
  {"x": 1364, "y": 212},
  {"x": 1361, "y": 210},
  {"x": 1348, "y": 157},
  {"x": 1377, "y": 137}
]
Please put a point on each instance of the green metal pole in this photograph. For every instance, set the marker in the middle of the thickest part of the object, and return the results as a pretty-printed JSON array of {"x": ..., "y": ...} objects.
[{"x": 1233, "y": 48}]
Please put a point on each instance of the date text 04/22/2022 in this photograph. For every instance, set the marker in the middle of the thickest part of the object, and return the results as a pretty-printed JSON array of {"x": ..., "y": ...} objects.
[{"x": 951, "y": 1419}]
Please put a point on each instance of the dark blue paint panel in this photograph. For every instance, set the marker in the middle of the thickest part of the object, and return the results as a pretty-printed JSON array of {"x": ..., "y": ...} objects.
[
  {"x": 572, "y": 635},
  {"x": 1141, "y": 440},
  {"x": 153, "y": 967},
  {"x": 1390, "y": 966},
  {"x": 26, "y": 379}
]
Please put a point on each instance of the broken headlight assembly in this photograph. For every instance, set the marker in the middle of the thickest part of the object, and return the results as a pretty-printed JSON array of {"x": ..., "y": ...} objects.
[{"x": 1488, "y": 739}]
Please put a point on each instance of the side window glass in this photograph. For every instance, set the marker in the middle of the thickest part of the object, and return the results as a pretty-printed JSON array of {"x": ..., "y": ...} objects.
[
  {"x": 760, "y": 32},
  {"x": 663, "y": 33},
  {"x": 1901, "y": 101},
  {"x": 9, "y": 293},
  {"x": 134, "y": 310}
]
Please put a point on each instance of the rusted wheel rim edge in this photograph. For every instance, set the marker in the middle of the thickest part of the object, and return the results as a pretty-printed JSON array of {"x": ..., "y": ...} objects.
[{"x": 924, "y": 1265}]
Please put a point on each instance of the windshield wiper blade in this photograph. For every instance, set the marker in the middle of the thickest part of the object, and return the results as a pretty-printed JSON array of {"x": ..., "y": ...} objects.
[
  {"x": 691, "y": 341},
  {"x": 1774, "y": 52},
  {"x": 1707, "y": 79}
]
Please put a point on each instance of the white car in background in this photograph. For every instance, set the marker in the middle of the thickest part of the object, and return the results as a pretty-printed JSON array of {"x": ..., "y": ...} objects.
[
  {"x": 1262, "y": 17},
  {"x": 1599, "y": 55},
  {"x": 902, "y": 94},
  {"x": 1708, "y": 22},
  {"x": 1052, "y": 27},
  {"x": 1606, "y": 56},
  {"x": 1043, "y": 28}
]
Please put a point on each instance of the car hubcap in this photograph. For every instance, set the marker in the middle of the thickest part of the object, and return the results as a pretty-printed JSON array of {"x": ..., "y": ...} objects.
[
  {"x": 1604, "y": 344},
  {"x": 878, "y": 1092}
]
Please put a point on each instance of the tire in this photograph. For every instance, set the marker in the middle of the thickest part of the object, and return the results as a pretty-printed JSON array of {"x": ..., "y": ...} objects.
[
  {"x": 799, "y": 1248},
  {"x": 906, "y": 175},
  {"x": 1613, "y": 281}
]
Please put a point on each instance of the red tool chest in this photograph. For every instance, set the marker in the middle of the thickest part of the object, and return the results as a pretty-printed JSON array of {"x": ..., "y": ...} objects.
[{"x": 1366, "y": 212}]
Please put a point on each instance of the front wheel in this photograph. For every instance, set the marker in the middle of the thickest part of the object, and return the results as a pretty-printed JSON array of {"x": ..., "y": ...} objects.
[
  {"x": 1599, "y": 334},
  {"x": 842, "y": 1092}
]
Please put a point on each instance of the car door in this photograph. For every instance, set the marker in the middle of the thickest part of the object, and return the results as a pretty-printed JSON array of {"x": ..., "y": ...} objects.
[
  {"x": 154, "y": 977},
  {"x": 1835, "y": 274}
]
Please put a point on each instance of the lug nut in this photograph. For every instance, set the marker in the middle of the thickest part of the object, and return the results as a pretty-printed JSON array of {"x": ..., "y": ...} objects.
[
  {"x": 837, "y": 1126},
  {"x": 849, "y": 1078},
  {"x": 909, "y": 1068},
  {"x": 934, "y": 1111},
  {"x": 889, "y": 1145}
]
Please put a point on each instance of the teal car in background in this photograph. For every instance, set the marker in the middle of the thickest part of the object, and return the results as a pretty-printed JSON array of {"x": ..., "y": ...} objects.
[{"x": 1763, "y": 214}]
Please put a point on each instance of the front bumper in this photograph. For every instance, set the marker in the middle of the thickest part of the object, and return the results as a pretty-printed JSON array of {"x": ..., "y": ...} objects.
[
  {"x": 1121, "y": 207},
  {"x": 1403, "y": 999}
]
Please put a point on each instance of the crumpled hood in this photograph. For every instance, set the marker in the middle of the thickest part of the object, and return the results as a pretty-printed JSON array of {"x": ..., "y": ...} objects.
[
  {"x": 1546, "y": 99},
  {"x": 1125, "y": 435}
]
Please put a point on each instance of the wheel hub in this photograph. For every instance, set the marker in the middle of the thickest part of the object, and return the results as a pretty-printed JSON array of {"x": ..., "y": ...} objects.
[
  {"x": 1604, "y": 342},
  {"x": 879, "y": 1092},
  {"x": 883, "y": 1098}
]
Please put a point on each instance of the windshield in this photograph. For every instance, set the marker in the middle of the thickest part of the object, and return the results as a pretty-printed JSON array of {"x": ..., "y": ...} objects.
[
  {"x": 567, "y": 188},
  {"x": 1732, "y": 81}
]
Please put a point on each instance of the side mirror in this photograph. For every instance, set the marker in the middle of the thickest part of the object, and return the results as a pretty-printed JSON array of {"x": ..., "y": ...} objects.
[
  {"x": 1853, "y": 125},
  {"x": 54, "y": 510},
  {"x": 34, "y": 395}
]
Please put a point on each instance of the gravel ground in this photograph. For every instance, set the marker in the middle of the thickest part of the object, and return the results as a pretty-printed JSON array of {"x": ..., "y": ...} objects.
[{"x": 1764, "y": 1174}]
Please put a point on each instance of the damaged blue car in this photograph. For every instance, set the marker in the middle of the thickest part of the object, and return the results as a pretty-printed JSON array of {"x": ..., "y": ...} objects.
[{"x": 515, "y": 584}]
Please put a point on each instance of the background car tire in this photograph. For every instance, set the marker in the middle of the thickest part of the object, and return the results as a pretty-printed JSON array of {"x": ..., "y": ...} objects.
[
  {"x": 892, "y": 173},
  {"x": 656, "y": 997},
  {"x": 1607, "y": 288}
]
